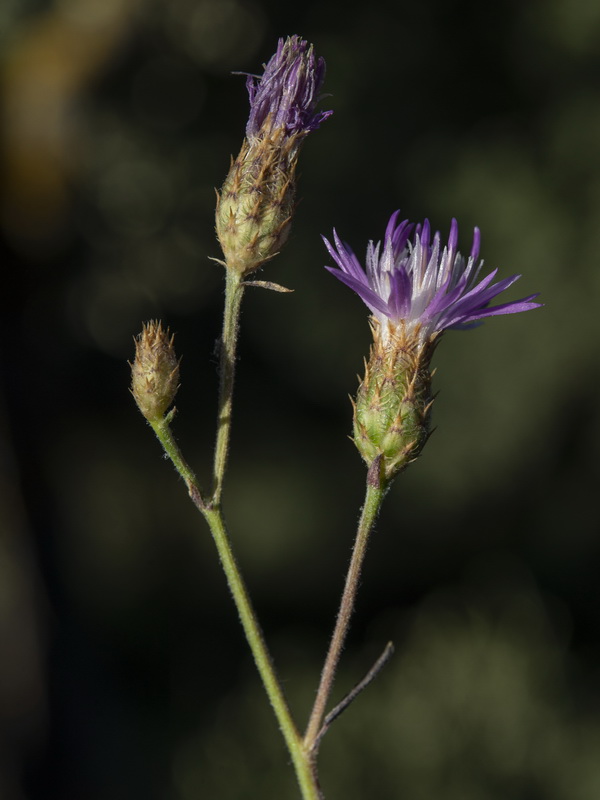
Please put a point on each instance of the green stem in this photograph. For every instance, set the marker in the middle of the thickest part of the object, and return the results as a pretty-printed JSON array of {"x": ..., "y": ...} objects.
[
  {"x": 373, "y": 497},
  {"x": 163, "y": 431},
  {"x": 300, "y": 757},
  {"x": 234, "y": 291},
  {"x": 303, "y": 765}
]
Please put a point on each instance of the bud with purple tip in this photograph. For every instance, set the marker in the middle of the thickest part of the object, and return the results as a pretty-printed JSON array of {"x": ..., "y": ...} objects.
[{"x": 256, "y": 203}]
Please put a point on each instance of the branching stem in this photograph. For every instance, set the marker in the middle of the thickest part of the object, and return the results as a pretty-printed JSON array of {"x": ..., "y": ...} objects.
[{"x": 303, "y": 765}]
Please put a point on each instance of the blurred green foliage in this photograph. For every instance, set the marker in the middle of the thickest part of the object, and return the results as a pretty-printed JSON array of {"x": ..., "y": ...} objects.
[{"x": 125, "y": 674}]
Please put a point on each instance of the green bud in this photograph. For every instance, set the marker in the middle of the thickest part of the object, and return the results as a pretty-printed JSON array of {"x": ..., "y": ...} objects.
[
  {"x": 393, "y": 403},
  {"x": 256, "y": 204},
  {"x": 154, "y": 372}
]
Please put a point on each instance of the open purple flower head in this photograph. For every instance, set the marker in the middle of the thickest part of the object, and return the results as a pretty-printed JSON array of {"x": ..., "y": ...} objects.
[
  {"x": 412, "y": 280},
  {"x": 288, "y": 90}
]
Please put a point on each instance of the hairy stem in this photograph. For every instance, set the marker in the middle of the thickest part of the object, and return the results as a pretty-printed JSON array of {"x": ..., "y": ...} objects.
[
  {"x": 234, "y": 291},
  {"x": 300, "y": 757},
  {"x": 373, "y": 497},
  {"x": 163, "y": 431},
  {"x": 305, "y": 772}
]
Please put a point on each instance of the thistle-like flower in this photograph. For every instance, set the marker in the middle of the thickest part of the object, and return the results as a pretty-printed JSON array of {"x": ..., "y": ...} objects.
[
  {"x": 416, "y": 290},
  {"x": 417, "y": 285},
  {"x": 256, "y": 203}
]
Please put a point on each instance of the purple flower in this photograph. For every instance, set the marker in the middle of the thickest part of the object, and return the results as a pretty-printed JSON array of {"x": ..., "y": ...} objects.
[
  {"x": 286, "y": 95},
  {"x": 412, "y": 281}
]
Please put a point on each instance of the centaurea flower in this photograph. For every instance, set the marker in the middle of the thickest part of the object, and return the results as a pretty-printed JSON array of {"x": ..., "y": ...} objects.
[
  {"x": 256, "y": 204},
  {"x": 415, "y": 290},
  {"x": 415, "y": 284}
]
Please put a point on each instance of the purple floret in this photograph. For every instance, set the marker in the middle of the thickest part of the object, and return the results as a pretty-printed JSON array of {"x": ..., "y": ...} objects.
[
  {"x": 414, "y": 282},
  {"x": 288, "y": 90}
]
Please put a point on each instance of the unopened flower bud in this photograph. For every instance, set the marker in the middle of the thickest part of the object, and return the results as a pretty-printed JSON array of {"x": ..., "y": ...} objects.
[
  {"x": 392, "y": 408},
  {"x": 256, "y": 203},
  {"x": 154, "y": 372}
]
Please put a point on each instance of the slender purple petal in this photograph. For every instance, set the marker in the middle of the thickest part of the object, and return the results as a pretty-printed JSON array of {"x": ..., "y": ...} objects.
[
  {"x": 453, "y": 238},
  {"x": 350, "y": 261},
  {"x": 391, "y": 226},
  {"x": 368, "y": 296},
  {"x": 509, "y": 308},
  {"x": 400, "y": 289},
  {"x": 476, "y": 244}
]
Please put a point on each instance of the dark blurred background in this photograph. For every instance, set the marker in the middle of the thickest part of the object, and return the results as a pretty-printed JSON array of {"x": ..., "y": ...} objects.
[{"x": 123, "y": 670}]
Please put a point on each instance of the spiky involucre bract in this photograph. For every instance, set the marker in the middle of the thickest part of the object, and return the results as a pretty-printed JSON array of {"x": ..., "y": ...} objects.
[
  {"x": 256, "y": 204},
  {"x": 393, "y": 403}
]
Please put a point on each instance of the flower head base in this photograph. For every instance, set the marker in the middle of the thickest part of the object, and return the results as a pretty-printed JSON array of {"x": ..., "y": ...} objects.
[
  {"x": 416, "y": 283},
  {"x": 393, "y": 403},
  {"x": 256, "y": 204},
  {"x": 415, "y": 290}
]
